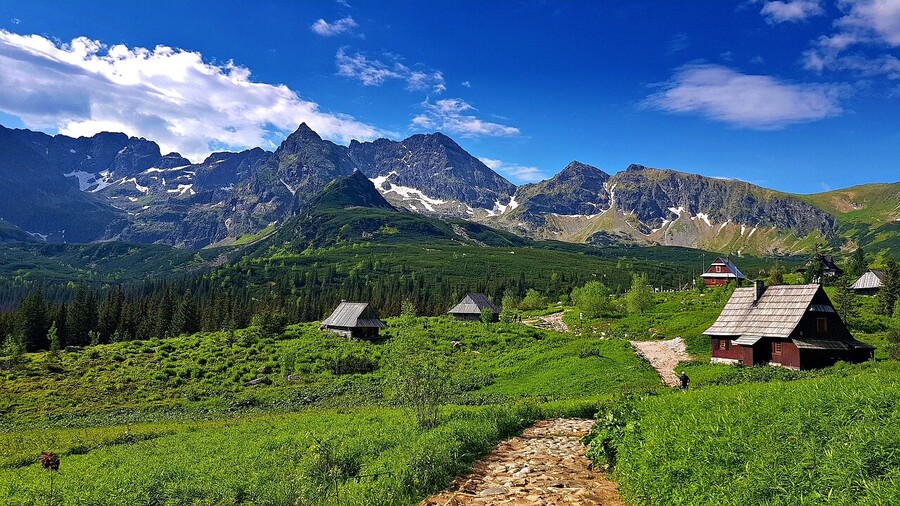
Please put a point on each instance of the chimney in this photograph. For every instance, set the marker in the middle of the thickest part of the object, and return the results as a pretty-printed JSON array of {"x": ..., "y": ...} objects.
[{"x": 759, "y": 287}]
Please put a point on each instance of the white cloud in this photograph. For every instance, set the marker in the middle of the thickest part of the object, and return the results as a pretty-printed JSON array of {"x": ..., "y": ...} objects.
[
  {"x": 371, "y": 72},
  {"x": 169, "y": 95},
  {"x": 750, "y": 101},
  {"x": 15, "y": 21},
  {"x": 466, "y": 84},
  {"x": 791, "y": 10},
  {"x": 866, "y": 26},
  {"x": 326, "y": 29},
  {"x": 517, "y": 173},
  {"x": 453, "y": 115}
]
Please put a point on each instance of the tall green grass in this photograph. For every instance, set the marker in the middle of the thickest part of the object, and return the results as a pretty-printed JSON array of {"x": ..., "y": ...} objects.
[{"x": 833, "y": 439}]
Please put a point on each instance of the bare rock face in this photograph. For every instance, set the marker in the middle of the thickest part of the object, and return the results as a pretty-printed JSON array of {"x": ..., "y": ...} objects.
[{"x": 436, "y": 166}]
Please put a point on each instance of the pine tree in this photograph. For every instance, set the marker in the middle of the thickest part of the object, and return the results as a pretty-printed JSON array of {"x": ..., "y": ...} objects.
[
  {"x": 33, "y": 321},
  {"x": 845, "y": 302},
  {"x": 857, "y": 265},
  {"x": 890, "y": 288},
  {"x": 80, "y": 318},
  {"x": 53, "y": 339}
]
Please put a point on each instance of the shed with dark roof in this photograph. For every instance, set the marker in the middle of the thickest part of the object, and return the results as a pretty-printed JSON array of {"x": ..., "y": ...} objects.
[
  {"x": 471, "y": 306},
  {"x": 354, "y": 320},
  {"x": 793, "y": 326}
]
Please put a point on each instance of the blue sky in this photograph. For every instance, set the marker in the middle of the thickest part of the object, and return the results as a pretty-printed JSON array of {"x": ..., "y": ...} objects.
[{"x": 797, "y": 95}]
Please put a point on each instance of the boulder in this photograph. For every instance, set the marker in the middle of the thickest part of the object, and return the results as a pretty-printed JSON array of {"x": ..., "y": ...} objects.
[{"x": 262, "y": 380}]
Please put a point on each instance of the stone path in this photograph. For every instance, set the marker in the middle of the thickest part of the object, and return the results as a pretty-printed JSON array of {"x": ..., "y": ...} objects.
[
  {"x": 664, "y": 356},
  {"x": 545, "y": 465},
  {"x": 550, "y": 322}
]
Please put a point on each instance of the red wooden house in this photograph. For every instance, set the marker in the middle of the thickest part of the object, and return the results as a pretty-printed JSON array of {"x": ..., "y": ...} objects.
[
  {"x": 721, "y": 272},
  {"x": 794, "y": 326}
]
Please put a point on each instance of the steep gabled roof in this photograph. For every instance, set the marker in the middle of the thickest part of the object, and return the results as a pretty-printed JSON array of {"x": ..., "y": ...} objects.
[
  {"x": 474, "y": 303},
  {"x": 353, "y": 315},
  {"x": 870, "y": 279},
  {"x": 733, "y": 271},
  {"x": 775, "y": 314}
]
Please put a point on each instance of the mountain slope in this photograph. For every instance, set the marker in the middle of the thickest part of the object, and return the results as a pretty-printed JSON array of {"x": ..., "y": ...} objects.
[
  {"x": 42, "y": 202},
  {"x": 866, "y": 215},
  {"x": 431, "y": 173}
]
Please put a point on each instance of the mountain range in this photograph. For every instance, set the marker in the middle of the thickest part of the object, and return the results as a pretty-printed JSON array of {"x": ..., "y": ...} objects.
[{"x": 114, "y": 187}]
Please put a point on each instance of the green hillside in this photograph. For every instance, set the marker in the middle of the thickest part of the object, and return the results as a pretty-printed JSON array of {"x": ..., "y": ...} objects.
[{"x": 867, "y": 215}]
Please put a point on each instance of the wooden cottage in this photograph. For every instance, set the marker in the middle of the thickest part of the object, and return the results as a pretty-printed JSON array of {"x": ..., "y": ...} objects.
[
  {"x": 721, "y": 272},
  {"x": 354, "y": 320},
  {"x": 470, "y": 307},
  {"x": 794, "y": 326},
  {"x": 869, "y": 283},
  {"x": 829, "y": 268}
]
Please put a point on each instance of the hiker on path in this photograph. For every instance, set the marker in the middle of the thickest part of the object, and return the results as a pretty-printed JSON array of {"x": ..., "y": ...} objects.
[{"x": 685, "y": 381}]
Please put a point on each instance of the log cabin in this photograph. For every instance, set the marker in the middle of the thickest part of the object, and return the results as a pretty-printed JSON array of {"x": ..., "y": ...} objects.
[
  {"x": 471, "y": 306},
  {"x": 793, "y": 326},
  {"x": 355, "y": 320}
]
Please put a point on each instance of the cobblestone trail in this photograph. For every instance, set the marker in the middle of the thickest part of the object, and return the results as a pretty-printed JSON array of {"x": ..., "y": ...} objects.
[{"x": 545, "y": 465}]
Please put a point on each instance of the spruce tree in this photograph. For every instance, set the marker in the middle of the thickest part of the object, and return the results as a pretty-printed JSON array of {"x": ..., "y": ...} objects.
[
  {"x": 33, "y": 321},
  {"x": 890, "y": 288},
  {"x": 857, "y": 265},
  {"x": 845, "y": 302}
]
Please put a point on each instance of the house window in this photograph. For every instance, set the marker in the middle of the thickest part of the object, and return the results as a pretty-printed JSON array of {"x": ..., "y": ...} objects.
[
  {"x": 721, "y": 344},
  {"x": 777, "y": 348},
  {"x": 821, "y": 325},
  {"x": 718, "y": 268}
]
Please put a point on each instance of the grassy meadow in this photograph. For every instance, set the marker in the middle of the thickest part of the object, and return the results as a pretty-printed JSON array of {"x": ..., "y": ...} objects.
[{"x": 173, "y": 421}]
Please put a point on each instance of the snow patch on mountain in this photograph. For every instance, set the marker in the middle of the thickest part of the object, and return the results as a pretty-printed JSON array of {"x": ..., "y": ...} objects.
[{"x": 85, "y": 179}]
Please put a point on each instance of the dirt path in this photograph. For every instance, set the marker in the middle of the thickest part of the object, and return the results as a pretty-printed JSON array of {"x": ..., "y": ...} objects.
[
  {"x": 545, "y": 465},
  {"x": 664, "y": 356},
  {"x": 550, "y": 322}
]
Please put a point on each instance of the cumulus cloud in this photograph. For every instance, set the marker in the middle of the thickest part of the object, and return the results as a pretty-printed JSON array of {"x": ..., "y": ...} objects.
[
  {"x": 454, "y": 115},
  {"x": 517, "y": 173},
  {"x": 326, "y": 29},
  {"x": 169, "y": 95},
  {"x": 749, "y": 101},
  {"x": 466, "y": 84},
  {"x": 373, "y": 72},
  {"x": 791, "y": 10},
  {"x": 864, "y": 29}
]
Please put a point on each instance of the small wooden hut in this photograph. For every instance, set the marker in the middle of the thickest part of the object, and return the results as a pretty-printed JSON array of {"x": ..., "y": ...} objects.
[
  {"x": 721, "y": 272},
  {"x": 793, "y": 326},
  {"x": 829, "y": 268},
  {"x": 355, "y": 320},
  {"x": 869, "y": 283},
  {"x": 471, "y": 306}
]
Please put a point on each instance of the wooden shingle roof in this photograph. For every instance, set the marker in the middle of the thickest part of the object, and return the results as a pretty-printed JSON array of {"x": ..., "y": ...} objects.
[
  {"x": 870, "y": 279},
  {"x": 775, "y": 314},
  {"x": 354, "y": 315},
  {"x": 474, "y": 303}
]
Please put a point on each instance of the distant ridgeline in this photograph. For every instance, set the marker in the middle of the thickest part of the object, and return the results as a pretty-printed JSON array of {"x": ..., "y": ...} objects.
[{"x": 112, "y": 187}]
